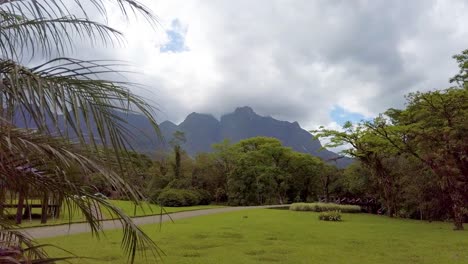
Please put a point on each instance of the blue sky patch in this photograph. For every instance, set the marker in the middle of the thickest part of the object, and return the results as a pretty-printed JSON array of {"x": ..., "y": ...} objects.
[
  {"x": 176, "y": 35},
  {"x": 341, "y": 115}
]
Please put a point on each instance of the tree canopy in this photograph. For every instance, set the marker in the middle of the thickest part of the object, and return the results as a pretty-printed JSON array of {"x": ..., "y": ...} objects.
[{"x": 430, "y": 131}]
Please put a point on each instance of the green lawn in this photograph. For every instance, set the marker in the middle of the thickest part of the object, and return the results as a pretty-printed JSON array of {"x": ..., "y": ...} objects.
[
  {"x": 127, "y": 206},
  {"x": 282, "y": 236}
]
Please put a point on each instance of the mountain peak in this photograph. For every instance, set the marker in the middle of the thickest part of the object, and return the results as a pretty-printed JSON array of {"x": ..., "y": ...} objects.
[
  {"x": 204, "y": 130},
  {"x": 244, "y": 110},
  {"x": 167, "y": 123},
  {"x": 197, "y": 117}
]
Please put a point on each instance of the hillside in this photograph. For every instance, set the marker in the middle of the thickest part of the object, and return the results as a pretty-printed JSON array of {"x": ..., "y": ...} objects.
[{"x": 203, "y": 130}]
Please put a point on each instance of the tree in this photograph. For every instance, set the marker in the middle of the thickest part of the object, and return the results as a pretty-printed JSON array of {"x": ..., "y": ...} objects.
[
  {"x": 430, "y": 131},
  {"x": 373, "y": 153},
  {"x": 305, "y": 171},
  {"x": 462, "y": 77},
  {"x": 63, "y": 99},
  {"x": 328, "y": 176},
  {"x": 224, "y": 157},
  {"x": 176, "y": 142},
  {"x": 266, "y": 172},
  {"x": 433, "y": 129}
]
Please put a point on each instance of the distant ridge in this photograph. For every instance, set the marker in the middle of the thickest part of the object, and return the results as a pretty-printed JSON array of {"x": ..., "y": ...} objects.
[{"x": 203, "y": 130}]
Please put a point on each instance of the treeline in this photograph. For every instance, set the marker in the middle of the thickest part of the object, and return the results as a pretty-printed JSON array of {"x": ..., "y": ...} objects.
[
  {"x": 415, "y": 159},
  {"x": 253, "y": 171}
]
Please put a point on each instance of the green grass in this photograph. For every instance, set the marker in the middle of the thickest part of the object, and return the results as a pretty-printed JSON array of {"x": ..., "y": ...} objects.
[
  {"x": 127, "y": 206},
  {"x": 282, "y": 236}
]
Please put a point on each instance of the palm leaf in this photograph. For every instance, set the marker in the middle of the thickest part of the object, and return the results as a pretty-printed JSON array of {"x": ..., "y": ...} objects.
[
  {"x": 65, "y": 99},
  {"x": 51, "y": 26},
  {"x": 90, "y": 106},
  {"x": 44, "y": 166}
]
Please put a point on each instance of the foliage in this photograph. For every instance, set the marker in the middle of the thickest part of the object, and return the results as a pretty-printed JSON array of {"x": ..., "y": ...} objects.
[
  {"x": 324, "y": 207},
  {"x": 428, "y": 138},
  {"x": 63, "y": 99},
  {"x": 179, "y": 197},
  {"x": 176, "y": 142},
  {"x": 253, "y": 171},
  {"x": 462, "y": 77},
  {"x": 205, "y": 197},
  {"x": 265, "y": 172},
  {"x": 334, "y": 216}
]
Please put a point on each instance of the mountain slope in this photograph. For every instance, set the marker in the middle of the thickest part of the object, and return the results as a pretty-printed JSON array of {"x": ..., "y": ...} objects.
[{"x": 202, "y": 130}]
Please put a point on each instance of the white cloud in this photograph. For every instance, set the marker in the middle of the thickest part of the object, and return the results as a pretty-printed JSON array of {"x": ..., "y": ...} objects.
[{"x": 294, "y": 60}]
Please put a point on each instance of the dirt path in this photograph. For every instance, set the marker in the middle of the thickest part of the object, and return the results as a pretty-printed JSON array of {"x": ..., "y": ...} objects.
[{"x": 62, "y": 230}]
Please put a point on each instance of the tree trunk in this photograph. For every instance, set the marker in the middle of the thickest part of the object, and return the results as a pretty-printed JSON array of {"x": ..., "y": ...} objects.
[
  {"x": 390, "y": 211},
  {"x": 327, "y": 193},
  {"x": 19, "y": 208},
  {"x": 177, "y": 162},
  {"x": 44, "y": 208},
  {"x": 57, "y": 201},
  {"x": 458, "y": 212},
  {"x": 2, "y": 200}
]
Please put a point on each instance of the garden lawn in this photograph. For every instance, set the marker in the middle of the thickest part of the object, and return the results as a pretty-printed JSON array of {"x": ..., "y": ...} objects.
[{"x": 282, "y": 236}]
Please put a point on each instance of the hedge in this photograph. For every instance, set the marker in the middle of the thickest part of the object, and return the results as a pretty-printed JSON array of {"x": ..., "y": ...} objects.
[
  {"x": 330, "y": 216},
  {"x": 324, "y": 207},
  {"x": 183, "y": 197}
]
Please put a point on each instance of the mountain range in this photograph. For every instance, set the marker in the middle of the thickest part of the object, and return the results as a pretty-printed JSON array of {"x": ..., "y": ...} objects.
[{"x": 203, "y": 130}]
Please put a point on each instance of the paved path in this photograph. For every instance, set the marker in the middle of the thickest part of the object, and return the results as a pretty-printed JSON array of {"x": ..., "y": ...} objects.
[{"x": 62, "y": 230}]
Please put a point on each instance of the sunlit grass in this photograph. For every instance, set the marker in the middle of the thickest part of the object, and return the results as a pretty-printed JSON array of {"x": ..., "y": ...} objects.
[{"x": 282, "y": 236}]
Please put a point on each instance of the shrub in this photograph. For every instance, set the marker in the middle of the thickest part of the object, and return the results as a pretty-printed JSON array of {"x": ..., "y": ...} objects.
[
  {"x": 178, "y": 197},
  {"x": 191, "y": 197},
  {"x": 330, "y": 216},
  {"x": 155, "y": 195},
  {"x": 324, "y": 207},
  {"x": 172, "y": 197},
  {"x": 205, "y": 197}
]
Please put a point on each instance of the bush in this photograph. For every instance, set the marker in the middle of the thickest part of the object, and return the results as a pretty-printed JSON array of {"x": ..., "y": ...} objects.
[
  {"x": 330, "y": 216},
  {"x": 191, "y": 197},
  {"x": 205, "y": 197},
  {"x": 178, "y": 197},
  {"x": 155, "y": 195},
  {"x": 324, "y": 207},
  {"x": 171, "y": 197}
]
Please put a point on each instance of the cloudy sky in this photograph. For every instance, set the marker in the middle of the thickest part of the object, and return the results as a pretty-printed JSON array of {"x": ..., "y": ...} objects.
[{"x": 315, "y": 62}]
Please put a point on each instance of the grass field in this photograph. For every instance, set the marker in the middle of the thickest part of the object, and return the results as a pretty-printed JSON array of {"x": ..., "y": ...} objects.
[
  {"x": 282, "y": 236},
  {"x": 127, "y": 206}
]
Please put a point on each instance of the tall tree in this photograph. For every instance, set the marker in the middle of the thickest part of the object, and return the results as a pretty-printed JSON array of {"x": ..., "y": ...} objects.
[
  {"x": 372, "y": 152},
  {"x": 433, "y": 128},
  {"x": 176, "y": 142},
  {"x": 63, "y": 99}
]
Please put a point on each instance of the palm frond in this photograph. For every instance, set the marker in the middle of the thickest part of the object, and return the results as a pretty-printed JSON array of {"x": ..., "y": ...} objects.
[
  {"x": 66, "y": 97},
  {"x": 52, "y": 26},
  {"x": 50, "y": 35},
  {"x": 43, "y": 166},
  {"x": 13, "y": 243}
]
